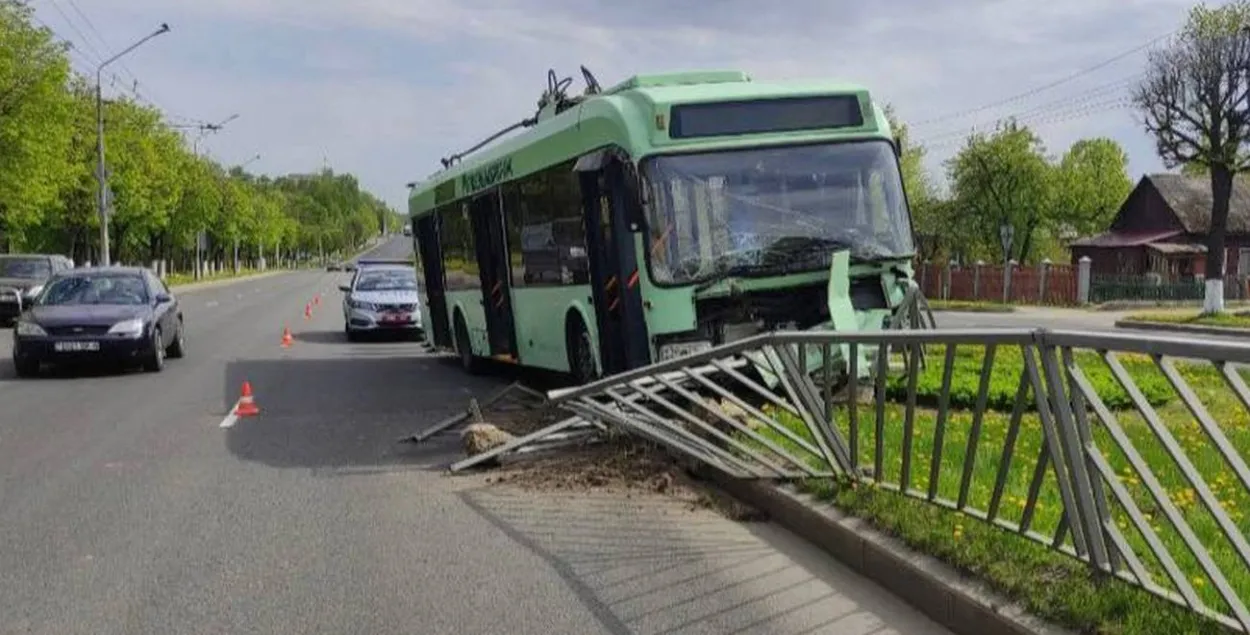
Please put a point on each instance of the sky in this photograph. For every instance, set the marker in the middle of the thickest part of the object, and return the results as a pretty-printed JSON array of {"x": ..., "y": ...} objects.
[{"x": 384, "y": 88}]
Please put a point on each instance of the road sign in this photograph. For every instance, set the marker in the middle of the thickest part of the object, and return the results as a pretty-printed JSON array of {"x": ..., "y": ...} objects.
[{"x": 1005, "y": 234}]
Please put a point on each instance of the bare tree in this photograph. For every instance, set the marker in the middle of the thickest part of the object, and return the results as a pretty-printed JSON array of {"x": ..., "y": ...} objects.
[{"x": 1195, "y": 103}]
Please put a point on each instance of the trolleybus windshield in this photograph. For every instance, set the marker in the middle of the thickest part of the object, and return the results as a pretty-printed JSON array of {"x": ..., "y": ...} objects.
[{"x": 776, "y": 210}]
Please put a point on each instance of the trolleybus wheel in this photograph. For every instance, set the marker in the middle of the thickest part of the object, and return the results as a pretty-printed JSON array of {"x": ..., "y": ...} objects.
[
  {"x": 468, "y": 361},
  {"x": 581, "y": 353}
]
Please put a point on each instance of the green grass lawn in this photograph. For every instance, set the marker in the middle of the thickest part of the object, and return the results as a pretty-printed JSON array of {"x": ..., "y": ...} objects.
[
  {"x": 1231, "y": 320},
  {"x": 1051, "y": 584},
  {"x": 181, "y": 279}
]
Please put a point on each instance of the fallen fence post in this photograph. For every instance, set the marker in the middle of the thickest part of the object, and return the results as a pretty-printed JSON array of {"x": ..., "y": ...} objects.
[{"x": 456, "y": 419}]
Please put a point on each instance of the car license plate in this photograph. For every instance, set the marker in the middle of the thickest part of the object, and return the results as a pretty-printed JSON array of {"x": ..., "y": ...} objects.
[
  {"x": 75, "y": 347},
  {"x": 683, "y": 349},
  {"x": 395, "y": 318}
]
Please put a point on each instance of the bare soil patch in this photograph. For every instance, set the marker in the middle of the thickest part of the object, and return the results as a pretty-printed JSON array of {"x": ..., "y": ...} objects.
[{"x": 619, "y": 463}]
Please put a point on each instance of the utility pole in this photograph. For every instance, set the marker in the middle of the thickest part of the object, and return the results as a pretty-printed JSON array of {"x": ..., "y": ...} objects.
[
  {"x": 101, "y": 174},
  {"x": 201, "y": 236},
  {"x": 236, "y": 237},
  {"x": 205, "y": 129}
]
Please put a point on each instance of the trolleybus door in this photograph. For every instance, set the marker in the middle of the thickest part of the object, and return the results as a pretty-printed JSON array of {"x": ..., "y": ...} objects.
[
  {"x": 614, "y": 267},
  {"x": 489, "y": 235},
  {"x": 426, "y": 232}
]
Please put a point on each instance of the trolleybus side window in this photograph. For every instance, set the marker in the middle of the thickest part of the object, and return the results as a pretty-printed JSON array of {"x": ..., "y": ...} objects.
[{"x": 552, "y": 232}]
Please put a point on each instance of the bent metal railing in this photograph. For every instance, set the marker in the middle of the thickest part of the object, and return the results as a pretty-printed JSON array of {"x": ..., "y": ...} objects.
[{"x": 1132, "y": 446}]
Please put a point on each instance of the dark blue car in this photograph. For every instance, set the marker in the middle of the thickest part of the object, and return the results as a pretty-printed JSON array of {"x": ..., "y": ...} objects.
[{"x": 105, "y": 314}]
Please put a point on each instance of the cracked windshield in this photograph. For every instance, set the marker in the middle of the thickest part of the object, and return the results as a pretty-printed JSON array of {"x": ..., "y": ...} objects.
[{"x": 774, "y": 210}]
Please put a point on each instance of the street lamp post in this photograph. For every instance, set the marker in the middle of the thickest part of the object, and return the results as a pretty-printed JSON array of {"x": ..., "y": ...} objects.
[{"x": 101, "y": 175}]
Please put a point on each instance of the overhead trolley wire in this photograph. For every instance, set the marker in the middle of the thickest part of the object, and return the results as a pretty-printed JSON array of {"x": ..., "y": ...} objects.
[{"x": 1047, "y": 86}]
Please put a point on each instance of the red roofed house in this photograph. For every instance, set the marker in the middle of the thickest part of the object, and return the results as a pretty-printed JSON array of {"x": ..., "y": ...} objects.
[{"x": 1162, "y": 229}]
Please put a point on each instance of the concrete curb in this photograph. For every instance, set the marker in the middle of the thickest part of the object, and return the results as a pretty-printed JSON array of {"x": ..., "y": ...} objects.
[
  {"x": 995, "y": 311},
  {"x": 956, "y": 601},
  {"x": 1144, "y": 325}
]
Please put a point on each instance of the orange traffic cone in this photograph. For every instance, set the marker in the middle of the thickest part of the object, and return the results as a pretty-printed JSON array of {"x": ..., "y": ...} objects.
[
  {"x": 307, "y": 311},
  {"x": 246, "y": 407},
  {"x": 317, "y": 300},
  {"x": 287, "y": 340}
]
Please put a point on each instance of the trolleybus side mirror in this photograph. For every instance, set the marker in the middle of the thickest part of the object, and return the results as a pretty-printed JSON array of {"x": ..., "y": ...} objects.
[{"x": 345, "y": 288}]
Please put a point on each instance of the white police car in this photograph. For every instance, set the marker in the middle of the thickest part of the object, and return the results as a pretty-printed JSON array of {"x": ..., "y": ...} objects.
[{"x": 381, "y": 298}]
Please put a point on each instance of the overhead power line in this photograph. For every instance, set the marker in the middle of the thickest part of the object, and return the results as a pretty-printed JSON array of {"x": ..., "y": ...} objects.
[
  {"x": 90, "y": 48},
  {"x": 99, "y": 36},
  {"x": 91, "y": 56},
  {"x": 1047, "y": 86},
  {"x": 1024, "y": 115},
  {"x": 1074, "y": 114}
]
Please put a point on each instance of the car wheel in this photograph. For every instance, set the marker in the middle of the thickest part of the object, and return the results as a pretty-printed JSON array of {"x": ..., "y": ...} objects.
[
  {"x": 352, "y": 336},
  {"x": 178, "y": 349},
  {"x": 155, "y": 362},
  {"x": 26, "y": 366}
]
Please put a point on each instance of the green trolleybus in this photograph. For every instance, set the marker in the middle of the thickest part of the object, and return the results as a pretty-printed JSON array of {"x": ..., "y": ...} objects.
[{"x": 660, "y": 217}]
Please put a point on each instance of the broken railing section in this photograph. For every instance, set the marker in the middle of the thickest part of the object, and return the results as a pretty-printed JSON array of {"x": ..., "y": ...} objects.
[
  {"x": 568, "y": 431},
  {"x": 1031, "y": 422},
  {"x": 700, "y": 411},
  {"x": 913, "y": 313},
  {"x": 512, "y": 397}
]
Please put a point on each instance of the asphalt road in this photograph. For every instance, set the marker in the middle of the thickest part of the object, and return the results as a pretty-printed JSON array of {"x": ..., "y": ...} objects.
[{"x": 126, "y": 508}]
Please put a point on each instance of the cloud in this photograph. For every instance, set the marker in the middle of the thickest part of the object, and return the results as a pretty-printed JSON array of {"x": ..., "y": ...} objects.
[{"x": 383, "y": 88}]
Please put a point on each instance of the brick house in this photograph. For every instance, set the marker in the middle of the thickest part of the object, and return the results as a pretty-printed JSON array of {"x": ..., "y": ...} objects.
[{"x": 1162, "y": 227}]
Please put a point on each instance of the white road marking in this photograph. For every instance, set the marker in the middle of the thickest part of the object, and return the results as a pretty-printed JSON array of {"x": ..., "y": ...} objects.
[
  {"x": 231, "y": 418},
  {"x": 238, "y": 296},
  {"x": 211, "y": 303}
]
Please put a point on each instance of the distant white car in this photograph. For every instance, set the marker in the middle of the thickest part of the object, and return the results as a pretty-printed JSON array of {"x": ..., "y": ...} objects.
[{"x": 381, "y": 298}]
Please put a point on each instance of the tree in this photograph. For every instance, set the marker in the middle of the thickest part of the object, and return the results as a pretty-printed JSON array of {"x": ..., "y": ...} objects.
[
  {"x": 1194, "y": 102},
  {"x": 1003, "y": 180},
  {"x": 916, "y": 179},
  {"x": 931, "y": 216},
  {"x": 164, "y": 194},
  {"x": 1091, "y": 183},
  {"x": 35, "y": 115}
]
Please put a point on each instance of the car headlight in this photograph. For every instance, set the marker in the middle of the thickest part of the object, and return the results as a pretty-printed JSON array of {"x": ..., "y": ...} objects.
[
  {"x": 363, "y": 306},
  {"x": 30, "y": 329},
  {"x": 128, "y": 328},
  {"x": 33, "y": 291}
]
